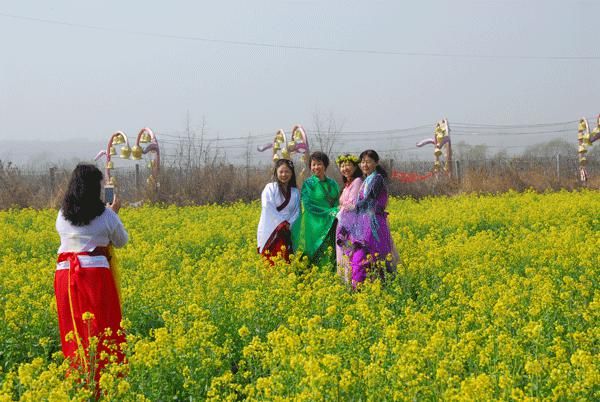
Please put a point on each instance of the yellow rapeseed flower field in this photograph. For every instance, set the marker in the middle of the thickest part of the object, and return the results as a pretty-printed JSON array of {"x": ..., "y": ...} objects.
[{"x": 497, "y": 298}]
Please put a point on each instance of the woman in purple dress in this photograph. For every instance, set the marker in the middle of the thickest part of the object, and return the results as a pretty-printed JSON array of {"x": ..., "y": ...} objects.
[{"x": 373, "y": 247}]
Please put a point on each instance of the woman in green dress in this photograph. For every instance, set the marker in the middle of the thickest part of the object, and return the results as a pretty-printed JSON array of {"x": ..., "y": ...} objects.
[{"x": 320, "y": 202}]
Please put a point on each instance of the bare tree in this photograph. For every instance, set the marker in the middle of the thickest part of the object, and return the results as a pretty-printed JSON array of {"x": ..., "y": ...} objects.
[
  {"x": 467, "y": 152},
  {"x": 326, "y": 132},
  {"x": 551, "y": 148}
]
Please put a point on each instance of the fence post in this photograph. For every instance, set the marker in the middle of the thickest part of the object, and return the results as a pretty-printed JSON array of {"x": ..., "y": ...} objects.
[
  {"x": 558, "y": 167},
  {"x": 52, "y": 181},
  {"x": 391, "y": 166},
  {"x": 137, "y": 178},
  {"x": 457, "y": 171},
  {"x": 248, "y": 181}
]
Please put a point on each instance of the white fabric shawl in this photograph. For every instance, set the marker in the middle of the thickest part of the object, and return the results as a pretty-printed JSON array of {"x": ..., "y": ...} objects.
[
  {"x": 270, "y": 217},
  {"x": 102, "y": 230}
]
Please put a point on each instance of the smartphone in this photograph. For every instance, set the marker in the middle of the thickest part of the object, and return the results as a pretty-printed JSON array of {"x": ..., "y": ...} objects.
[{"x": 109, "y": 194}]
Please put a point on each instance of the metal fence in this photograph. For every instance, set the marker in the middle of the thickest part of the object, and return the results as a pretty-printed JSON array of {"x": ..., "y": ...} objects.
[
  {"x": 224, "y": 182},
  {"x": 558, "y": 167}
]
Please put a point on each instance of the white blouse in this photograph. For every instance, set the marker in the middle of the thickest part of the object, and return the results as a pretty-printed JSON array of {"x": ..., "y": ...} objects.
[
  {"x": 102, "y": 230},
  {"x": 270, "y": 217}
]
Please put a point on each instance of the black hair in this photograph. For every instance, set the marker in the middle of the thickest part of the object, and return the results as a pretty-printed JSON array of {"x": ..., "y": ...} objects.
[
  {"x": 320, "y": 157},
  {"x": 289, "y": 164},
  {"x": 373, "y": 155},
  {"x": 82, "y": 201},
  {"x": 357, "y": 172}
]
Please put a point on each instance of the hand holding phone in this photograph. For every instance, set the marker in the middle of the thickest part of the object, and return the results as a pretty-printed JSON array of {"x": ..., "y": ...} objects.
[
  {"x": 109, "y": 194},
  {"x": 116, "y": 204},
  {"x": 112, "y": 200}
]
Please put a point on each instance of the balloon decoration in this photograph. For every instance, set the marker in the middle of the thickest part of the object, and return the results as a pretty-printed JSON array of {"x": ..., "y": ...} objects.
[
  {"x": 586, "y": 139},
  {"x": 285, "y": 149},
  {"x": 145, "y": 136},
  {"x": 118, "y": 138},
  {"x": 440, "y": 140}
]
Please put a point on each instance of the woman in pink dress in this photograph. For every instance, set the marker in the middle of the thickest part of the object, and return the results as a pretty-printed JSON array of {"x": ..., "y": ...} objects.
[{"x": 352, "y": 177}]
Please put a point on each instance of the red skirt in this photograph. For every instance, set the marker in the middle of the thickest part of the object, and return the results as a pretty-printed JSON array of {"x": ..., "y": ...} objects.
[
  {"x": 280, "y": 242},
  {"x": 84, "y": 284}
]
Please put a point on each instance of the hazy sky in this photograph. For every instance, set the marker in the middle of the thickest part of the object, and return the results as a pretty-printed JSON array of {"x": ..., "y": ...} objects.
[{"x": 82, "y": 69}]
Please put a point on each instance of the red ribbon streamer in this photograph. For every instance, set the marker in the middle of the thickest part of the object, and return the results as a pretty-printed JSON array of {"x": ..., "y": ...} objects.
[{"x": 410, "y": 177}]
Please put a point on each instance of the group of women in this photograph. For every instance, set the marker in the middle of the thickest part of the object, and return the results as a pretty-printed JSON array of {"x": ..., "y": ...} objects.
[
  {"x": 314, "y": 221},
  {"x": 320, "y": 219}
]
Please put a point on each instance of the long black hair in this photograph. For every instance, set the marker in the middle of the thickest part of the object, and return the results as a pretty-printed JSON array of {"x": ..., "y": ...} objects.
[
  {"x": 82, "y": 201},
  {"x": 347, "y": 158},
  {"x": 289, "y": 164},
  {"x": 373, "y": 155}
]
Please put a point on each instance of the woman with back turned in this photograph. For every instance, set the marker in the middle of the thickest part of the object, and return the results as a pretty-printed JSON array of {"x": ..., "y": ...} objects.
[{"x": 87, "y": 298}]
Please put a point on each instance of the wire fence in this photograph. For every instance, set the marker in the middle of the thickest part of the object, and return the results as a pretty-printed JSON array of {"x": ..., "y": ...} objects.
[{"x": 223, "y": 182}]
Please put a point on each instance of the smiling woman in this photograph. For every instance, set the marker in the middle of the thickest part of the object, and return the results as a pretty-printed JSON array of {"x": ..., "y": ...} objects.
[
  {"x": 372, "y": 248},
  {"x": 280, "y": 209},
  {"x": 352, "y": 177},
  {"x": 320, "y": 200}
]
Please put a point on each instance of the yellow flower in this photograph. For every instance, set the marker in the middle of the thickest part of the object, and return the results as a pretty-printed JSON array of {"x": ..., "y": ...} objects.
[
  {"x": 244, "y": 331},
  {"x": 87, "y": 316}
]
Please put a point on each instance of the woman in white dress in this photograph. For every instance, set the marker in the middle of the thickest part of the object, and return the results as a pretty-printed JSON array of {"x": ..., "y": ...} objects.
[{"x": 280, "y": 201}]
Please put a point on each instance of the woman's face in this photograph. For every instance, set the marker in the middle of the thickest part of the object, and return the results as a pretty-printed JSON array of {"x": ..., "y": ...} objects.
[
  {"x": 284, "y": 174},
  {"x": 367, "y": 165},
  {"x": 318, "y": 168},
  {"x": 347, "y": 170}
]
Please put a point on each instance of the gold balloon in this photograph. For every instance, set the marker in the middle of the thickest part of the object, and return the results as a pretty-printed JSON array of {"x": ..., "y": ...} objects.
[
  {"x": 112, "y": 151},
  {"x": 275, "y": 158},
  {"x": 110, "y": 165},
  {"x": 125, "y": 152},
  {"x": 136, "y": 152},
  {"x": 118, "y": 139},
  {"x": 437, "y": 152},
  {"x": 582, "y": 149},
  {"x": 145, "y": 138}
]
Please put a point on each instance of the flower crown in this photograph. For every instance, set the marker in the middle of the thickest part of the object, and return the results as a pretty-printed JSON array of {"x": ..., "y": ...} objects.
[{"x": 347, "y": 158}]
